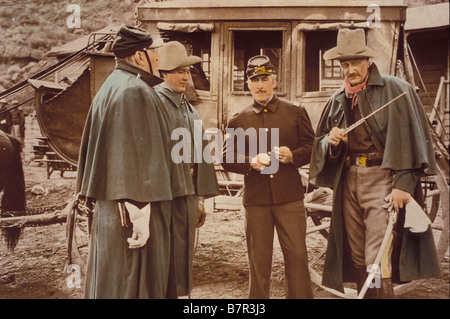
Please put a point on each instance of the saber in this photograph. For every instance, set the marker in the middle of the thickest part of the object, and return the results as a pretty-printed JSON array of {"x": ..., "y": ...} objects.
[
  {"x": 387, "y": 240},
  {"x": 358, "y": 123}
]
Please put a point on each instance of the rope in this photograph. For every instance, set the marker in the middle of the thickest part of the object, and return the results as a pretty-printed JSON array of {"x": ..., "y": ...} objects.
[
  {"x": 82, "y": 209},
  {"x": 31, "y": 211}
]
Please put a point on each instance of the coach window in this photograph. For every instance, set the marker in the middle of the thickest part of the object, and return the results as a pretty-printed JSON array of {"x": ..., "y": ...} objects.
[
  {"x": 321, "y": 75},
  {"x": 197, "y": 43},
  {"x": 248, "y": 43},
  {"x": 331, "y": 75}
]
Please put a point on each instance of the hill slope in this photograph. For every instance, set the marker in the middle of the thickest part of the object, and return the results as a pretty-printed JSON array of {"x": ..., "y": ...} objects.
[{"x": 30, "y": 28}]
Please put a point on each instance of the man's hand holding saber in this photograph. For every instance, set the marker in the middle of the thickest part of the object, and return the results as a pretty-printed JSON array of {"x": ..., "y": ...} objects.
[
  {"x": 337, "y": 134},
  {"x": 399, "y": 198}
]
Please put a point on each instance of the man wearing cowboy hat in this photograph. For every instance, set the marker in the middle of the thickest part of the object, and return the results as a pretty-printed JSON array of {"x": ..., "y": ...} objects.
[
  {"x": 381, "y": 159},
  {"x": 196, "y": 174},
  {"x": 275, "y": 199},
  {"x": 124, "y": 166}
]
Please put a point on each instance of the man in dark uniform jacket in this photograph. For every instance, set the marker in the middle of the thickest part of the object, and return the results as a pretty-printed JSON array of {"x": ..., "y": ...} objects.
[{"x": 273, "y": 190}]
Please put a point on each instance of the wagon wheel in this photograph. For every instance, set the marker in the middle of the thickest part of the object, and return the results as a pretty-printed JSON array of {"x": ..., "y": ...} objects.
[
  {"x": 430, "y": 190},
  {"x": 321, "y": 220},
  {"x": 77, "y": 233},
  {"x": 436, "y": 191},
  {"x": 318, "y": 204},
  {"x": 437, "y": 207},
  {"x": 318, "y": 207}
]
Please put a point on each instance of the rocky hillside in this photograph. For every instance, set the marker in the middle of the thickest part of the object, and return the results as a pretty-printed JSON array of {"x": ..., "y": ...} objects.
[{"x": 30, "y": 28}]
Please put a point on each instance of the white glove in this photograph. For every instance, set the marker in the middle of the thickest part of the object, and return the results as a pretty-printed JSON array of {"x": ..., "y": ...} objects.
[
  {"x": 264, "y": 158},
  {"x": 260, "y": 161},
  {"x": 3, "y": 122},
  {"x": 140, "y": 218},
  {"x": 415, "y": 218}
]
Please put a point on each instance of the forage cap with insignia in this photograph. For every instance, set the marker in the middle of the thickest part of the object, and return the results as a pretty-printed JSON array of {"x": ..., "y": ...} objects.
[{"x": 259, "y": 65}]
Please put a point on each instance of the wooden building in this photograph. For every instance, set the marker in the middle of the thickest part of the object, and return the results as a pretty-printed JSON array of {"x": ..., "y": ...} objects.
[
  {"x": 294, "y": 34},
  {"x": 427, "y": 42}
]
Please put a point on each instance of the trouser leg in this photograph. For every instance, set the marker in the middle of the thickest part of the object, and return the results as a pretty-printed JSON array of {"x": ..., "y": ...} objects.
[
  {"x": 182, "y": 230},
  {"x": 159, "y": 250},
  {"x": 364, "y": 216},
  {"x": 259, "y": 230},
  {"x": 353, "y": 219},
  {"x": 376, "y": 219},
  {"x": 290, "y": 222}
]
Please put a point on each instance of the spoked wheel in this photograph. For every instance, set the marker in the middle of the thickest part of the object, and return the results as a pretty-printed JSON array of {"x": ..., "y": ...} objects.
[
  {"x": 318, "y": 204},
  {"x": 436, "y": 191},
  {"x": 318, "y": 207}
]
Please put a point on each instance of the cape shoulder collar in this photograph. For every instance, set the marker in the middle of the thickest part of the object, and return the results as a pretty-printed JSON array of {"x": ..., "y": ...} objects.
[
  {"x": 375, "y": 76},
  {"x": 148, "y": 78},
  {"x": 174, "y": 97},
  {"x": 375, "y": 79}
]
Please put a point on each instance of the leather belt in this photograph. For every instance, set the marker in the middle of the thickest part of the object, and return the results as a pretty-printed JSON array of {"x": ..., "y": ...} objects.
[{"x": 363, "y": 160}]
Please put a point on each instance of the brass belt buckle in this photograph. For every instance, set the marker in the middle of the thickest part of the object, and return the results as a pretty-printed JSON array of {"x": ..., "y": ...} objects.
[{"x": 361, "y": 161}]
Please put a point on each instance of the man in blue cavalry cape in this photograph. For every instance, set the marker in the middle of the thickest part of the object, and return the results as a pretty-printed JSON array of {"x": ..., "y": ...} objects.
[
  {"x": 383, "y": 158},
  {"x": 125, "y": 166},
  {"x": 194, "y": 179}
]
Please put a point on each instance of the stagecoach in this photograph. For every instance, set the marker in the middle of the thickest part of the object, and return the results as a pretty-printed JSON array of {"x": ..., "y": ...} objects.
[{"x": 294, "y": 34}]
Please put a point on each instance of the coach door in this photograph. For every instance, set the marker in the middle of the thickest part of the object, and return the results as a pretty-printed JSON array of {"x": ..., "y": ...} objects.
[{"x": 243, "y": 40}]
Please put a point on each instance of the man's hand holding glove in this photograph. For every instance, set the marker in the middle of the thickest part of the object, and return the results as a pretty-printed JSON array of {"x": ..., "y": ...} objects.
[
  {"x": 284, "y": 154},
  {"x": 397, "y": 199},
  {"x": 140, "y": 218},
  {"x": 260, "y": 161}
]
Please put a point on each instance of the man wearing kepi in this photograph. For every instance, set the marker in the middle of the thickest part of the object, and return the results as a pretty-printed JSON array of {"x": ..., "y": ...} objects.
[
  {"x": 273, "y": 190},
  {"x": 193, "y": 177},
  {"x": 124, "y": 165},
  {"x": 378, "y": 161}
]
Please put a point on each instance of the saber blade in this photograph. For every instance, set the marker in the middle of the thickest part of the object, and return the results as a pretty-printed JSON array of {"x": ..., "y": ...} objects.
[{"x": 358, "y": 123}]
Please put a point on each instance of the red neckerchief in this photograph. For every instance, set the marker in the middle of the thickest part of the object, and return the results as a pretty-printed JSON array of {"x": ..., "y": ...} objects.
[{"x": 351, "y": 90}]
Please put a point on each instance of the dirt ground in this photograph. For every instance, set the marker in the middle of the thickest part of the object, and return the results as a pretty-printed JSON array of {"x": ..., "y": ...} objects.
[{"x": 35, "y": 269}]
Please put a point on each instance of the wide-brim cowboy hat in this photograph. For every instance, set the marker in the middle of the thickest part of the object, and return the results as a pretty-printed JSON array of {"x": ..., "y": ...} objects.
[
  {"x": 351, "y": 44},
  {"x": 173, "y": 55}
]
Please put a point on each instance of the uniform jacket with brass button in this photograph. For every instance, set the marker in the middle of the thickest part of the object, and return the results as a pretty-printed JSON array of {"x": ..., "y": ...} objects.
[{"x": 294, "y": 131}]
